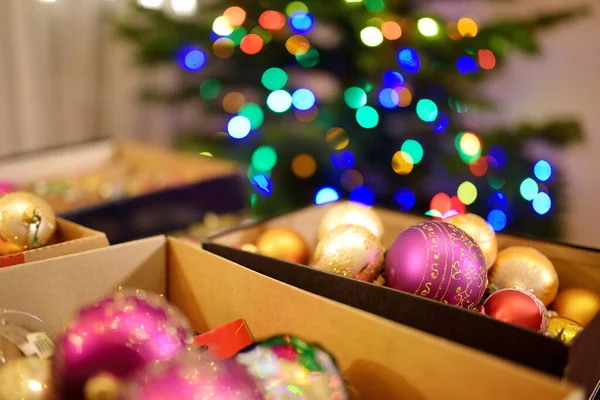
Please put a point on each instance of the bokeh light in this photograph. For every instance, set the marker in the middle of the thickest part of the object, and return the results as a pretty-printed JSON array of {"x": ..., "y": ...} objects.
[
  {"x": 405, "y": 198},
  {"x": 337, "y": 138},
  {"x": 223, "y": 47},
  {"x": 529, "y": 189},
  {"x": 303, "y": 99},
  {"x": 262, "y": 183},
  {"x": 264, "y": 34},
  {"x": 457, "y": 105},
  {"x": 441, "y": 203},
  {"x": 326, "y": 195},
  {"x": 235, "y": 15},
  {"x": 264, "y": 158},
  {"x": 427, "y": 110},
  {"x": 237, "y": 35},
  {"x": 466, "y": 65},
  {"x": 409, "y": 60},
  {"x": 193, "y": 59},
  {"x": 233, "y": 101},
  {"x": 497, "y": 219},
  {"x": 467, "y": 27},
  {"x": 342, "y": 159},
  {"x": 374, "y": 5},
  {"x": 308, "y": 59},
  {"x": 351, "y": 179},
  {"x": 272, "y": 20},
  {"x": 388, "y": 98},
  {"x": 467, "y": 193},
  {"x": 393, "y": 79},
  {"x": 391, "y": 30},
  {"x": 414, "y": 149},
  {"x": 297, "y": 45},
  {"x": 307, "y": 116},
  {"x": 371, "y": 36},
  {"x": 486, "y": 59},
  {"x": 470, "y": 144},
  {"x": 274, "y": 78},
  {"x": 222, "y": 26},
  {"x": 479, "y": 167},
  {"x": 497, "y": 200},
  {"x": 279, "y": 101},
  {"x": 440, "y": 123},
  {"x": 239, "y": 127},
  {"x": 362, "y": 194},
  {"x": 428, "y": 27},
  {"x": 402, "y": 163},
  {"x": 542, "y": 203},
  {"x": 210, "y": 89},
  {"x": 542, "y": 170},
  {"x": 367, "y": 117},
  {"x": 301, "y": 22},
  {"x": 294, "y": 7},
  {"x": 251, "y": 43},
  {"x": 254, "y": 114},
  {"x": 304, "y": 166},
  {"x": 496, "y": 156},
  {"x": 405, "y": 97},
  {"x": 355, "y": 97}
]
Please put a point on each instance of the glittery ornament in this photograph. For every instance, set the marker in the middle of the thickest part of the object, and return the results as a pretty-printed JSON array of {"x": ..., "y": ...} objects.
[
  {"x": 6, "y": 187},
  {"x": 118, "y": 335},
  {"x": 26, "y": 378},
  {"x": 350, "y": 250},
  {"x": 528, "y": 269},
  {"x": 517, "y": 307},
  {"x": 193, "y": 376},
  {"x": 288, "y": 368},
  {"x": 563, "y": 329},
  {"x": 350, "y": 213},
  {"x": 481, "y": 232},
  {"x": 26, "y": 222},
  {"x": 283, "y": 243},
  {"x": 437, "y": 260},
  {"x": 579, "y": 304}
]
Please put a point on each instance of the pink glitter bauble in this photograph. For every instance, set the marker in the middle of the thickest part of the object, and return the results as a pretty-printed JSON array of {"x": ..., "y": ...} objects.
[
  {"x": 193, "y": 376},
  {"x": 437, "y": 260},
  {"x": 118, "y": 335}
]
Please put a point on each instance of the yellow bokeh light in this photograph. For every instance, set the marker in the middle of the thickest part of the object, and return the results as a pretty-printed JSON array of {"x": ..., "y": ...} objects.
[
  {"x": 467, "y": 193},
  {"x": 297, "y": 45},
  {"x": 467, "y": 27},
  {"x": 222, "y": 27},
  {"x": 232, "y": 102},
  {"x": 405, "y": 97},
  {"x": 308, "y": 115},
  {"x": 371, "y": 36},
  {"x": 469, "y": 144},
  {"x": 428, "y": 27},
  {"x": 337, "y": 138},
  {"x": 304, "y": 166},
  {"x": 223, "y": 47},
  {"x": 402, "y": 163},
  {"x": 206, "y": 154}
]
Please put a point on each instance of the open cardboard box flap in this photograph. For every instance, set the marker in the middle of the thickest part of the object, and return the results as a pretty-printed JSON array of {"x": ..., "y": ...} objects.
[
  {"x": 575, "y": 266},
  {"x": 383, "y": 360}
]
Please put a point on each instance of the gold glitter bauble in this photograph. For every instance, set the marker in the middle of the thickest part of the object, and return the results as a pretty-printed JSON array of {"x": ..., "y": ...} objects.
[
  {"x": 481, "y": 232},
  {"x": 26, "y": 222},
  {"x": 579, "y": 304},
  {"x": 350, "y": 213},
  {"x": 284, "y": 244},
  {"x": 564, "y": 329},
  {"x": 525, "y": 268},
  {"x": 350, "y": 250},
  {"x": 26, "y": 378}
]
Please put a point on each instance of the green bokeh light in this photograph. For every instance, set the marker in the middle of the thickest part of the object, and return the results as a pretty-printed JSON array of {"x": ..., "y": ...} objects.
[
  {"x": 529, "y": 189},
  {"x": 294, "y": 7},
  {"x": 264, "y": 158},
  {"x": 367, "y": 117},
  {"x": 210, "y": 89},
  {"x": 274, "y": 78},
  {"x": 427, "y": 110},
  {"x": 355, "y": 97},
  {"x": 254, "y": 113},
  {"x": 414, "y": 149},
  {"x": 237, "y": 35},
  {"x": 374, "y": 5},
  {"x": 308, "y": 59}
]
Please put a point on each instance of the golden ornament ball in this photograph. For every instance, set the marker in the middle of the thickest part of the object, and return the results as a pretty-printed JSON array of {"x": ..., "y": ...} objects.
[
  {"x": 563, "y": 329},
  {"x": 578, "y": 304},
  {"x": 527, "y": 269},
  {"x": 350, "y": 250},
  {"x": 350, "y": 213},
  {"x": 26, "y": 222},
  {"x": 481, "y": 232},
  {"x": 26, "y": 378},
  {"x": 283, "y": 243}
]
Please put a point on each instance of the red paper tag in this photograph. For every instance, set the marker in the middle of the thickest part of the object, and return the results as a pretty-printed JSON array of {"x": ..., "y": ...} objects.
[
  {"x": 227, "y": 340},
  {"x": 12, "y": 259}
]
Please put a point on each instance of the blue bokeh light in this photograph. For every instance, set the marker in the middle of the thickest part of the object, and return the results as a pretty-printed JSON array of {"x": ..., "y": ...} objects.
[
  {"x": 393, "y": 79},
  {"x": 388, "y": 98},
  {"x": 497, "y": 200},
  {"x": 409, "y": 60},
  {"x": 326, "y": 195},
  {"x": 542, "y": 170},
  {"x": 497, "y": 156},
  {"x": 405, "y": 198},
  {"x": 497, "y": 219},
  {"x": 301, "y": 22},
  {"x": 342, "y": 159},
  {"x": 441, "y": 122},
  {"x": 466, "y": 65},
  {"x": 192, "y": 59},
  {"x": 303, "y": 99},
  {"x": 239, "y": 127},
  {"x": 262, "y": 184},
  {"x": 542, "y": 203},
  {"x": 362, "y": 194}
]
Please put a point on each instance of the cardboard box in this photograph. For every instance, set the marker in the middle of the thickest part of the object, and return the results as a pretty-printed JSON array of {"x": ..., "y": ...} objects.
[
  {"x": 70, "y": 238},
  {"x": 383, "y": 360},
  {"x": 208, "y": 185},
  {"x": 575, "y": 266}
]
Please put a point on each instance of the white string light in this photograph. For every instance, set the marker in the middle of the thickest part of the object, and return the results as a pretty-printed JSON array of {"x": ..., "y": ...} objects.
[
  {"x": 184, "y": 7},
  {"x": 47, "y": 1},
  {"x": 153, "y": 4}
]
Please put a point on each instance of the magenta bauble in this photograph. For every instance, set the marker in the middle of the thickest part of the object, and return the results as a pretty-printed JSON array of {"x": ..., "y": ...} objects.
[
  {"x": 118, "y": 335},
  {"x": 193, "y": 376},
  {"x": 437, "y": 260}
]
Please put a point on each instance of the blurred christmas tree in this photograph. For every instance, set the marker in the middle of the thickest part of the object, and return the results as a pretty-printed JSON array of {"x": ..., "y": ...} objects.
[{"x": 362, "y": 98}]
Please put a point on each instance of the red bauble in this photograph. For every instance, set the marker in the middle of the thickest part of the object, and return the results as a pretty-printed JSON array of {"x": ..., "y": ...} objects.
[{"x": 517, "y": 307}]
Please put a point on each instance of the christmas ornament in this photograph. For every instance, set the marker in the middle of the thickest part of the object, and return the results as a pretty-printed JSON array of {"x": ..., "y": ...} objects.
[
  {"x": 563, "y": 329},
  {"x": 26, "y": 378},
  {"x": 437, "y": 260},
  {"x": 193, "y": 376},
  {"x": 517, "y": 307},
  {"x": 283, "y": 243},
  {"x": 481, "y": 232},
  {"x": 118, "y": 335},
  {"x": 6, "y": 187},
  {"x": 249, "y": 247},
  {"x": 528, "y": 269},
  {"x": 350, "y": 213},
  {"x": 578, "y": 304},
  {"x": 350, "y": 250},
  {"x": 290, "y": 368},
  {"x": 26, "y": 222}
]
